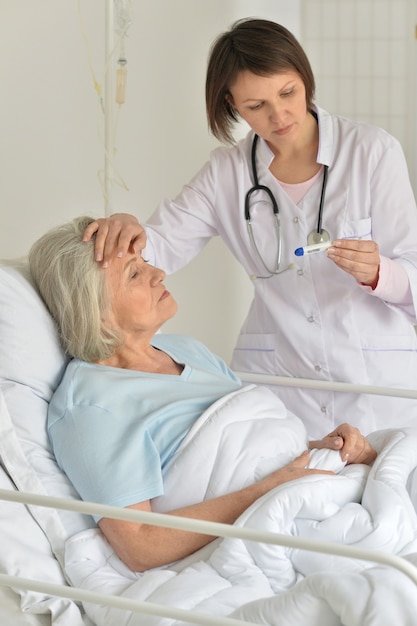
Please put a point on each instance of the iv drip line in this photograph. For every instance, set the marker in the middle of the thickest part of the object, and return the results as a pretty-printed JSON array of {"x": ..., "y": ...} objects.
[
  {"x": 121, "y": 81},
  {"x": 96, "y": 84},
  {"x": 117, "y": 21},
  {"x": 122, "y": 23},
  {"x": 108, "y": 108}
]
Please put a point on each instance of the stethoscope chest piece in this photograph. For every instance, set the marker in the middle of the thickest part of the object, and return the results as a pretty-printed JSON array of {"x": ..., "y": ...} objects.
[{"x": 318, "y": 237}]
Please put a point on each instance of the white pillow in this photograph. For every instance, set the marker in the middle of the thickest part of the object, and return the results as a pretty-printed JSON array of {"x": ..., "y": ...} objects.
[{"x": 31, "y": 366}]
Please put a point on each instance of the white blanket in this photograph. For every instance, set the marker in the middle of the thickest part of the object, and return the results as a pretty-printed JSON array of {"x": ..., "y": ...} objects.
[{"x": 238, "y": 440}]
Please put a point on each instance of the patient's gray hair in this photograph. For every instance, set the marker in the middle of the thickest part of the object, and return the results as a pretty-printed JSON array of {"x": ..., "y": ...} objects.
[{"x": 72, "y": 284}]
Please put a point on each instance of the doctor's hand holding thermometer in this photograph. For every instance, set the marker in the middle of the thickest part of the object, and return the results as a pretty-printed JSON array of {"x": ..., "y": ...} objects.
[
  {"x": 301, "y": 177},
  {"x": 357, "y": 257}
]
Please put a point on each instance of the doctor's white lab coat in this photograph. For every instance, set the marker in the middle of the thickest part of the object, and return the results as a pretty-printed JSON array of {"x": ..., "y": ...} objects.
[{"x": 312, "y": 320}]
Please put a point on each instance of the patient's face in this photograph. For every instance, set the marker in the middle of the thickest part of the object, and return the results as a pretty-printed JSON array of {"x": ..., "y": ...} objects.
[{"x": 140, "y": 304}]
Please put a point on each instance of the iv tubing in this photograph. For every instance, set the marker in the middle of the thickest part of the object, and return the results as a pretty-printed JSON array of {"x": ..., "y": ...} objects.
[{"x": 108, "y": 108}]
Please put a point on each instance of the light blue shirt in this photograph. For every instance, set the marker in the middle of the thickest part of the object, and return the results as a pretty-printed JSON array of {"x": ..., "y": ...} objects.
[{"x": 113, "y": 430}]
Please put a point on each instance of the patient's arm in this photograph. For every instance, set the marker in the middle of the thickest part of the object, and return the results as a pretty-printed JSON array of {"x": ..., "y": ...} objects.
[
  {"x": 114, "y": 236},
  {"x": 353, "y": 446},
  {"x": 142, "y": 546}
]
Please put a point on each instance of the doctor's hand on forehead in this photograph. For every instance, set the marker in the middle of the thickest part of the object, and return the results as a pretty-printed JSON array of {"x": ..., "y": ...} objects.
[
  {"x": 358, "y": 257},
  {"x": 114, "y": 236}
]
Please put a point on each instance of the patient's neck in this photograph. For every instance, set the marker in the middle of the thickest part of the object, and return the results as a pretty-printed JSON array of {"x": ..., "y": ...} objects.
[{"x": 143, "y": 359}]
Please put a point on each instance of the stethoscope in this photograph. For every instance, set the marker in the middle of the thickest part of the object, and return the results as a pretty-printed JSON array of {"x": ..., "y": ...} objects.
[{"x": 316, "y": 236}]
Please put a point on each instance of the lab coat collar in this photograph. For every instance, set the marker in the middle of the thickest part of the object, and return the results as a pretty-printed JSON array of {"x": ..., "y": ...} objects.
[{"x": 326, "y": 139}]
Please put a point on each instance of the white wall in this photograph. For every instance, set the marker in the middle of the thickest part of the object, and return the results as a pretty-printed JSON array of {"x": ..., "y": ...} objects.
[
  {"x": 52, "y": 130},
  {"x": 363, "y": 55}
]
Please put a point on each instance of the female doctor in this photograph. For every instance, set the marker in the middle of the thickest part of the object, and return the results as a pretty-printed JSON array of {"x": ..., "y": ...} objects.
[{"x": 301, "y": 177}]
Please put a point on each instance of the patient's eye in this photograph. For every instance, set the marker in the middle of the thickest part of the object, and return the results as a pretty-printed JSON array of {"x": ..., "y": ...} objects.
[
  {"x": 135, "y": 267},
  {"x": 134, "y": 272}
]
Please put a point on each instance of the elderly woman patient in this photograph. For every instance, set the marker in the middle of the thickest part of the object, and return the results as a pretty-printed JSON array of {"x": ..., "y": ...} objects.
[{"x": 129, "y": 396}]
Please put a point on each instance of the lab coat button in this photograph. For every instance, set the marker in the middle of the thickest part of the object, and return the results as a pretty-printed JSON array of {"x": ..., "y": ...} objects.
[
  {"x": 317, "y": 368},
  {"x": 311, "y": 318},
  {"x": 296, "y": 220},
  {"x": 300, "y": 272},
  {"x": 324, "y": 409}
]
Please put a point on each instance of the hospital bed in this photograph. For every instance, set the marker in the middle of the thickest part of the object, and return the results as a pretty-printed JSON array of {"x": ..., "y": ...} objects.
[{"x": 343, "y": 555}]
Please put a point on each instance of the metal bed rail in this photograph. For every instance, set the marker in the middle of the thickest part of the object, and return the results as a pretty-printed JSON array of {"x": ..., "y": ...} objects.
[
  {"x": 310, "y": 383},
  {"x": 187, "y": 524}
]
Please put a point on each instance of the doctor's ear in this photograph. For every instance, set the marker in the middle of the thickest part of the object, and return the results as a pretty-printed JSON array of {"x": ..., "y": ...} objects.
[
  {"x": 230, "y": 105},
  {"x": 229, "y": 100}
]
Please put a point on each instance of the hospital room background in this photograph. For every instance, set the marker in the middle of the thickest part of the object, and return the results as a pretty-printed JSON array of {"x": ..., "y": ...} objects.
[{"x": 52, "y": 75}]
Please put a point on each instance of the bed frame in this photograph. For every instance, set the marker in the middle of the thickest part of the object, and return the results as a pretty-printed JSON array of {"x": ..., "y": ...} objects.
[
  {"x": 159, "y": 519},
  {"x": 215, "y": 529}
]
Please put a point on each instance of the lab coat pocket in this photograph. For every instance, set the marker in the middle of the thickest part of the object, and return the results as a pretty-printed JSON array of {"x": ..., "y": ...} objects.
[
  {"x": 391, "y": 359},
  {"x": 255, "y": 353},
  {"x": 357, "y": 229}
]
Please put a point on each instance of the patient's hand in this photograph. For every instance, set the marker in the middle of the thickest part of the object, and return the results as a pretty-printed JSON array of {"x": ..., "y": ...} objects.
[
  {"x": 115, "y": 235},
  {"x": 353, "y": 446}
]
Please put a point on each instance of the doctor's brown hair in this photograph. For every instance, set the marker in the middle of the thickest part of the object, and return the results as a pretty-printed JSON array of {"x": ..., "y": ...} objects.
[{"x": 258, "y": 46}]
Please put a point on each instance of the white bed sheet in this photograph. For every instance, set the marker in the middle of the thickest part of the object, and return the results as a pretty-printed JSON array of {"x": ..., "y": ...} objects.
[
  {"x": 366, "y": 507},
  {"x": 11, "y": 613}
]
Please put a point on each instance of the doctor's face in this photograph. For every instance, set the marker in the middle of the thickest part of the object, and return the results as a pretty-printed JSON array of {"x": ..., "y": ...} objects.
[
  {"x": 139, "y": 302},
  {"x": 274, "y": 106}
]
